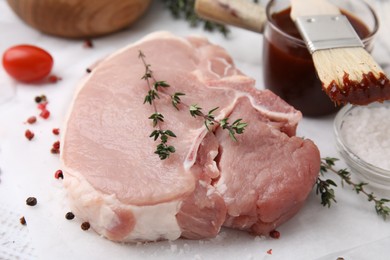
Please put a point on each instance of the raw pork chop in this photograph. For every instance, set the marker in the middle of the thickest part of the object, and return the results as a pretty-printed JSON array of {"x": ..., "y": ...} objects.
[{"x": 116, "y": 182}]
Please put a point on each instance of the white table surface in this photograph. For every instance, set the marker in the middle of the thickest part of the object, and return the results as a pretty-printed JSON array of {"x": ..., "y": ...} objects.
[{"x": 349, "y": 229}]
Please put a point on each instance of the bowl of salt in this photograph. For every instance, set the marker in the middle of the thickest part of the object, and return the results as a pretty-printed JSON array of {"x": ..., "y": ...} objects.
[{"x": 363, "y": 141}]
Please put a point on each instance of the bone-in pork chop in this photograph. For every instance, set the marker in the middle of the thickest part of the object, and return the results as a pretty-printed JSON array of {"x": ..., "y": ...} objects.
[{"x": 116, "y": 182}]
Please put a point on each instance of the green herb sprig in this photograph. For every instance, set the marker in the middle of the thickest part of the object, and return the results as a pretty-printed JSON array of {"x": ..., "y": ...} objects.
[
  {"x": 184, "y": 9},
  {"x": 163, "y": 149},
  {"x": 237, "y": 127},
  {"x": 328, "y": 195}
]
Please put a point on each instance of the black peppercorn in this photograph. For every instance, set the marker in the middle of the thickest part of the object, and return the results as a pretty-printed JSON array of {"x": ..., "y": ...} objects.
[
  {"x": 85, "y": 226},
  {"x": 38, "y": 99},
  {"x": 69, "y": 215},
  {"x": 31, "y": 201},
  {"x": 22, "y": 221}
]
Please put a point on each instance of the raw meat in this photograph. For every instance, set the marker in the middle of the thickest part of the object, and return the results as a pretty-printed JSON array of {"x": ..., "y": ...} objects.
[{"x": 116, "y": 182}]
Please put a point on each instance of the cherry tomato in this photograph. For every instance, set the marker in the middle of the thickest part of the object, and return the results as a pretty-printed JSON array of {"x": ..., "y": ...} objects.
[{"x": 27, "y": 63}]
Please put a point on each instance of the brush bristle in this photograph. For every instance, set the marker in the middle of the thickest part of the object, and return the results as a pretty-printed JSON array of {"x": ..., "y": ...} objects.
[
  {"x": 334, "y": 64},
  {"x": 351, "y": 75}
]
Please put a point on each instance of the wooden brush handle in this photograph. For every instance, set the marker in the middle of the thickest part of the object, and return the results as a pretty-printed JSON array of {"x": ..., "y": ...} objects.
[{"x": 240, "y": 13}]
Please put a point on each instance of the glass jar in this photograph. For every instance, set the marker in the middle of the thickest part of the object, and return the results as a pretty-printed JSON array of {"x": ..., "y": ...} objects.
[{"x": 288, "y": 69}]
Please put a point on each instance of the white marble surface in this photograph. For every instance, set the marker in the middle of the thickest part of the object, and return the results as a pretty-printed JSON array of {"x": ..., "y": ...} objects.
[{"x": 349, "y": 228}]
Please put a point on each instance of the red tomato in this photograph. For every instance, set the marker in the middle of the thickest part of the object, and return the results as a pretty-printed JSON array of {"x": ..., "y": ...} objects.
[{"x": 27, "y": 63}]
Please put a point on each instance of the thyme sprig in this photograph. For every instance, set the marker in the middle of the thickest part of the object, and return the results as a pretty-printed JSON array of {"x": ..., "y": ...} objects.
[
  {"x": 327, "y": 193},
  {"x": 184, "y": 9},
  {"x": 237, "y": 127},
  {"x": 163, "y": 149}
]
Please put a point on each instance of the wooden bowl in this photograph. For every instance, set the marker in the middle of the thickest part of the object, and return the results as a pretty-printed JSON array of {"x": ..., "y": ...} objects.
[{"x": 79, "y": 18}]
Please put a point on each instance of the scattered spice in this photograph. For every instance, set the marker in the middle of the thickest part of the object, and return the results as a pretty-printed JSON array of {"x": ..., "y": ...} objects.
[
  {"x": 56, "y": 145},
  {"x": 29, "y": 134},
  {"x": 53, "y": 79},
  {"x": 22, "y": 221},
  {"x": 42, "y": 105},
  {"x": 70, "y": 216},
  {"x": 38, "y": 99},
  {"x": 274, "y": 234},
  {"x": 58, "y": 174},
  {"x": 31, "y": 201},
  {"x": 45, "y": 114},
  {"x": 269, "y": 252},
  {"x": 88, "y": 70},
  {"x": 55, "y": 149},
  {"x": 41, "y": 98},
  {"x": 31, "y": 120},
  {"x": 56, "y": 131},
  {"x": 85, "y": 226},
  {"x": 88, "y": 43}
]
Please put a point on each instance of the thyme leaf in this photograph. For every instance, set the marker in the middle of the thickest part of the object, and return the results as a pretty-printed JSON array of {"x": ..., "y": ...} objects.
[
  {"x": 156, "y": 117},
  {"x": 325, "y": 190},
  {"x": 175, "y": 99},
  {"x": 327, "y": 193},
  {"x": 195, "y": 110}
]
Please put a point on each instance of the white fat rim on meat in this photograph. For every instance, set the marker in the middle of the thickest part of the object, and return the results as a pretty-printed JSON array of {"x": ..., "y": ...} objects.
[{"x": 152, "y": 222}]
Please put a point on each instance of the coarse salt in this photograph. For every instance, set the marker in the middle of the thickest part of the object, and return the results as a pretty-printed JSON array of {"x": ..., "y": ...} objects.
[{"x": 366, "y": 132}]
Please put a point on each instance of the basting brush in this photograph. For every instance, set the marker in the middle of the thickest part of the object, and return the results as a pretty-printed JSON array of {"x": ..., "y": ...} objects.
[{"x": 347, "y": 71}]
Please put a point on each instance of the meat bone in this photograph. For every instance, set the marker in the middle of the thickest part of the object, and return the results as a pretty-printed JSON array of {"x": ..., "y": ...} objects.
[{"x": 240, "y": 13}]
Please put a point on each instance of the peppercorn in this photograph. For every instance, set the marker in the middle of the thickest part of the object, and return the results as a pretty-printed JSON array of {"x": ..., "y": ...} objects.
[
  {"x": 31, "y": 201},
  {"x": 58, "y": 174},
  {"x": 88, "y": 70},
  {"x": 56, "y": 145},
  {"x": 54, "y": 151},
  {"x": 22, "y": 221},
  {"x": 45, "y": 113},
  {"x": 274, "y": 234},
  {"x": 53, "y": 79},
  {"x": 88, "y": 43},
  {"x": 29, "y": 134},
  {"x": 70, "y": 216},
  {"x": 38, "y": 99},
  {"x": 42, "y": 106},
  {"x": 32, "y": 119},
  {"x": 85, "y": 226},
  {"x": 56, "y": 131}
]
